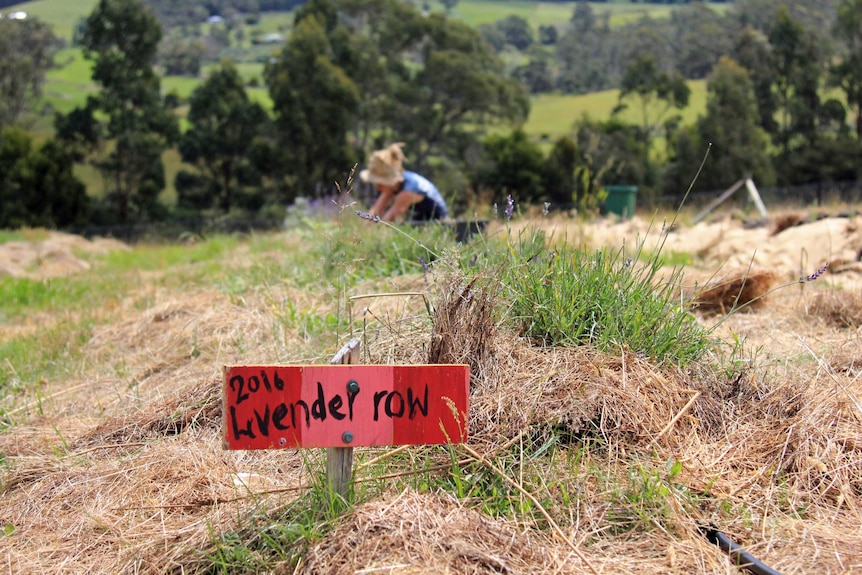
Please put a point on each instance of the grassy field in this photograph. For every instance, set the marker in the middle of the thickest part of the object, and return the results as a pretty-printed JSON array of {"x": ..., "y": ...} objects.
[
  {"x": 553, "y": 115},
  {"x": 61, "y": 14},
  {"x": 475, "y": 12}
]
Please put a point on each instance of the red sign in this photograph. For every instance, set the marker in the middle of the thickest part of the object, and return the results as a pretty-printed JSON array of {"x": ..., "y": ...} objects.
[{"x": 270, "y": 407}]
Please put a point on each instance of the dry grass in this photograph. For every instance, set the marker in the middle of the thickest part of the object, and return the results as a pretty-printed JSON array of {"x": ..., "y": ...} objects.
[
  {"x": 841, "y": 309},
  {"x": 122, "y": 470},
  {"x": 463, "y": 326},
  {"x": 742, "y": 290},
  {"x": 787, "y": 220},
  {"x": 420, "y": 533}
]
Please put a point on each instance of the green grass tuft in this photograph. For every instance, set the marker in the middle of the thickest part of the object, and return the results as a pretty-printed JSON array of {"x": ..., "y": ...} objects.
[{"x": 607, "y": 298}]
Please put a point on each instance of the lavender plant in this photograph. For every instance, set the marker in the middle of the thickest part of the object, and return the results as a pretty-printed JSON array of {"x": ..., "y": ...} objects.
[{"x": 572, "y": 297}]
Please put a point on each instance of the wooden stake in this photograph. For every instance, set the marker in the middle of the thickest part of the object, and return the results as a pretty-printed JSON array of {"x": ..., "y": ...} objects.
[{"x": 339, "y": 460}]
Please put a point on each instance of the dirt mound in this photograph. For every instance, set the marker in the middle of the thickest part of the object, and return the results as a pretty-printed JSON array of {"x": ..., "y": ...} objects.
[{"x": 53, "y": 256}]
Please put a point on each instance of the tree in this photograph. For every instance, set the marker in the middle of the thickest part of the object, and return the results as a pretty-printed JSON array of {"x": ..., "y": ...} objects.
[
  {"x": 796, "y": 63},
  {"x": 847, "y": 73},
  {"x": 314, "y": 101},
  {"x": 560, "y": 172},
  {"x": 516, "y": 167},
  {"x": 753, "y": 52},
  {"x": 517, "y": 32},
  {"x": 27, "y": 48},
  {"x": 181, "y": 58},
  {"x": 548, "y": 35},
  {"x": 731, "y": 125},
  {"x": 700, "y": 37},
  {"x": 371, "y": 41},
  {"x": 653, "y": 88},
  {"x": 358, "y": 74},
  {"x": 812, "y": 14},
  {"x": 460, "y": 90},
  {"x": 610, "y": 153},
  {"x": 492, "y": 36},
  {"x": 224, "y": 123},
  {"x": 583, "y": 19},
  {"x": 449, "y": 5},
  {"x": 121, "y": 38},
  {"x": 37, "y": 186},
  {"x": 584, "y": 52},
  {"x": 536, "y": 74}
]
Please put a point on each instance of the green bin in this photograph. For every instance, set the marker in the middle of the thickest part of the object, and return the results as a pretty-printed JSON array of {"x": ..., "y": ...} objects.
[{"x": 621, "y": 200}]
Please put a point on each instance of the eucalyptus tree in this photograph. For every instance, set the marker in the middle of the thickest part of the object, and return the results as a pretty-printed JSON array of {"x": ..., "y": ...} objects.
[
  {"x": 584, "y": 52},
  {"x": 361, "y": 73},
  {"x": 37, "y": 185},
  {"x": 314, "y": 100},
  {"x": 701, "y": 36},
  {"x": 730, "y": 129},
  {"x": 753, "y": 52},
  {"x": 846, "y": 74},
  {"x": 517, "y": 31},
  {"x": 28, "y": 48},
  {"x": 127, "y": 119},
  {"x": 797, "y": 61},
  {"x": 460, "y": 90},
  {"x": 657, "y": 92},
  {"x": 224, "y": 124},
  {"x": 516, "y": 167}
]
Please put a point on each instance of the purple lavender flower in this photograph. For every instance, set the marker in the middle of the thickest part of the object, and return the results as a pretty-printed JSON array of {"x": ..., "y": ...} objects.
[
  {"x": 510, "y": 207},
  {"x": 815, "y": 275},
  {"x": 369, "y": 217}
]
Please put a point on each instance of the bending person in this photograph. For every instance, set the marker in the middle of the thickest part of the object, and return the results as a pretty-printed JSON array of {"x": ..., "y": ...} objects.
[{"x": 403, "y": 194}]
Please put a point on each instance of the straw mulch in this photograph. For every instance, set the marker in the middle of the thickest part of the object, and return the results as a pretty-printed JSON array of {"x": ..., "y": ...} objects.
[
  {"x": 781, "y": 222},
  {"x": 841, "y": 309},
  {"x": 744, "y": 290},
  {"x": 426, "y": 533},
  {"x": 126, "y": 473}
]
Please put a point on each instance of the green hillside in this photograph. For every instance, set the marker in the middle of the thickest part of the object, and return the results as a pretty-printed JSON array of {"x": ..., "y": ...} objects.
[
  {"x": 62, "y": 15},
  {"x": 475, "y": 12},
  {"x": 552, "y": 115}
]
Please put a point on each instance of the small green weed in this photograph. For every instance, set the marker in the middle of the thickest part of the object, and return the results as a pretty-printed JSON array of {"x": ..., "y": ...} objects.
[{"x": 649, "y": 499}]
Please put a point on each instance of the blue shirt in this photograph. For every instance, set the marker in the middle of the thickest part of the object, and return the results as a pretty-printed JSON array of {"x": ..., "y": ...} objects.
[{"x": 432, "y": 206}]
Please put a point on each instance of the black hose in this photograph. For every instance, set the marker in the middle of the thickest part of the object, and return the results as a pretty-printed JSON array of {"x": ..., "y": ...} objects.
[{"x": 740, "y": 557}]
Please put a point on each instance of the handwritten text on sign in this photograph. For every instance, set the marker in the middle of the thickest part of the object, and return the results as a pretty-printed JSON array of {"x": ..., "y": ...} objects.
[{"x": 268, "y": 407}]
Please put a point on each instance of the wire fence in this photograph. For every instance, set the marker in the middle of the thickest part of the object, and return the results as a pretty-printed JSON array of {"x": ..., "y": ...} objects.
[{"x": 837, "y": 195}]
